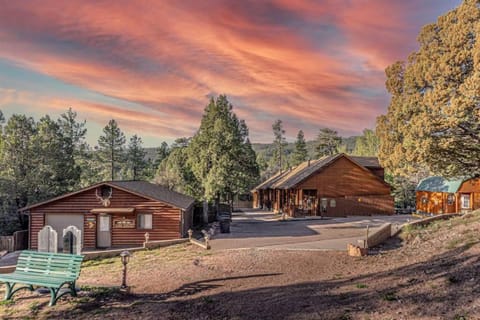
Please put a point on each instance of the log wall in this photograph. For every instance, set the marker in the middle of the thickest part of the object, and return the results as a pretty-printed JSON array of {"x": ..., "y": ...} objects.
[{"x": 166, "y": 219}]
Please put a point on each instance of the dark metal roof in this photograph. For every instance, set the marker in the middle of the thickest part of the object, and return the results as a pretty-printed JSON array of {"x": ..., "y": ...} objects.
[
  {"x": 367, "y": 162},
  {"x": 141, "y": 188},
  {"x": 156, "y": 192}
]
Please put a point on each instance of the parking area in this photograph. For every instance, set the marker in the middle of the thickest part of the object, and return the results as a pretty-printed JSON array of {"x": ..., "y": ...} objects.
[{"x": 260, "y": 229}]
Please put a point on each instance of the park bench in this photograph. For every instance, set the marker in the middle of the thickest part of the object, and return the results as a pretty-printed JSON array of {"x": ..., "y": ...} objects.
[{"x": 44, "y": 269}]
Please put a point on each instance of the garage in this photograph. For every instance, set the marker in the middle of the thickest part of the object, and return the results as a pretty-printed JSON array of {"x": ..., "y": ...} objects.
[{"x": 62, "y": 221}]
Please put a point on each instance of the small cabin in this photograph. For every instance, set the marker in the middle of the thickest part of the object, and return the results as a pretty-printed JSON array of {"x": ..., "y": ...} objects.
[
  {"x": 337, "y": 186},
  {"x": 437, "y": 195},
  {"x": 114, "y": 214}
]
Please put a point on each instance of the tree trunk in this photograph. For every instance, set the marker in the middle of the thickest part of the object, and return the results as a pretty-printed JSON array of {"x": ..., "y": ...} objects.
[{"x": 205, "y": 211}]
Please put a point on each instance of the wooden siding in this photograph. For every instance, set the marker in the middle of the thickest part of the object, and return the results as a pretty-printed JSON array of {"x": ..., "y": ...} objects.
[
  {"x": 166, "y": 218},
  {"x": 344, "y": 178}
]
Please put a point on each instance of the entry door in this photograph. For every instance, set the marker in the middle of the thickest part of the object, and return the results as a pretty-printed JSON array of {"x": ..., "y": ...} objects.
[{"x": 104, "y": 231}]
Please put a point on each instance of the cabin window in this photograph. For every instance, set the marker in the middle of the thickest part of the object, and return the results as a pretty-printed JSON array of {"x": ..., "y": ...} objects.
[
  {"x": 465, "y": 201},
  {"x": 144, "y": 221},
  {"x": 424, "y": 200},
  {"x": 333, "y": 203},
  {"x": 450, "y": 199}
]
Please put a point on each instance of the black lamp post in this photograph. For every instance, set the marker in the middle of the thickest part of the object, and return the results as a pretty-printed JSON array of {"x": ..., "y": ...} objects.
[{"x": 125, "y": 256}]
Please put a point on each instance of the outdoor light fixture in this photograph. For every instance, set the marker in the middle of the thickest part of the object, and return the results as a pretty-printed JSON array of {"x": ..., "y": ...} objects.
[{"x": 125, "y": 256}]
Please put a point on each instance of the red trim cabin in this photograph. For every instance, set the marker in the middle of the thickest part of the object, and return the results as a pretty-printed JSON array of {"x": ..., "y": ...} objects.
[
  {"x": 115, "y": 214},
  {"x": 337, "y": 185}
]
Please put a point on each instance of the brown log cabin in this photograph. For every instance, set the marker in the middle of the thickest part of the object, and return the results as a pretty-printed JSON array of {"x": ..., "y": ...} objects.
[
  {"x": 337, "y": 185},
  {"x": 114, "y": 214},
  {"x": 437, "y": 195}
]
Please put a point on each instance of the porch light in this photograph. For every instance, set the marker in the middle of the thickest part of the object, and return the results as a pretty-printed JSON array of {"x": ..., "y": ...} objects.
[{"x": 125, "y": 256}]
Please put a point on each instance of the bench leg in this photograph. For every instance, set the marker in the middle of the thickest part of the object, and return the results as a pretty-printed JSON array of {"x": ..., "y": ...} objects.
[
  {"x": 11, "y": 291},
  {"x": 54, "y": 296}
]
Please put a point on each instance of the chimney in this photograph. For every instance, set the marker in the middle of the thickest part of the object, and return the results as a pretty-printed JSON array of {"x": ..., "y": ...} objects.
[{"x": 308, "y": 162}]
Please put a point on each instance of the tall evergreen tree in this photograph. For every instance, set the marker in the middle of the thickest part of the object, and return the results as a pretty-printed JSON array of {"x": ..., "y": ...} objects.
[
  {"x": 111, "y": 153},
  {"x": 162, "y": 153},
  {"x": 301, "y": 153},
  {"x": 74, "y": 146},
  {"x": 219, "y": 154},
  {"x": 328, "y": 142},
  {"x": 136, "y": 162},
  {"x": 279, "y": 144},
  {"x": 53, "y": 172},
  {"x": 17, "y": 183}
]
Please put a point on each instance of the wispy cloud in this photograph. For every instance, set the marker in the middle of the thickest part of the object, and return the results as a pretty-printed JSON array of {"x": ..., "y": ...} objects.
[{"x": 309, "y": 63}]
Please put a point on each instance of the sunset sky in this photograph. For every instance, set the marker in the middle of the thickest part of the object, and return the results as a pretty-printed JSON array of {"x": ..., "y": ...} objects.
[{"x": 153, "y": 67}]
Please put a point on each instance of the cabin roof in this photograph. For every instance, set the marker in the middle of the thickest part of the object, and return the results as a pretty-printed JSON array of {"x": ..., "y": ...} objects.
[
  {"x": 303, "y": 171},
  {"x": 141, "y": 188},
  {"x": 367, "y": 162},
  {"x": 270, "y": 181},
  {"x": 296, "y": 175},
  {"x": 439, "y": 184}
]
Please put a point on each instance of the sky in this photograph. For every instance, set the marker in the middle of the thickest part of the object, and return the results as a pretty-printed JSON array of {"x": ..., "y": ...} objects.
[{"x": 153, "y": 65}]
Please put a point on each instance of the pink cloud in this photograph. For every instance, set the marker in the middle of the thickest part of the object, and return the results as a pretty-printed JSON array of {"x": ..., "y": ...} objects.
[{"x": 170, "y": 56}]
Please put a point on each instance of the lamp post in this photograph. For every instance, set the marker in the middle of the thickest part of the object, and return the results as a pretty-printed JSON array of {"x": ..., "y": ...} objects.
[{"x": 125, "y": 256}]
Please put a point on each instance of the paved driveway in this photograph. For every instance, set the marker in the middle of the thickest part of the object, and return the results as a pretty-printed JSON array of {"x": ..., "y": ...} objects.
[{"x": 263, "y": 230}]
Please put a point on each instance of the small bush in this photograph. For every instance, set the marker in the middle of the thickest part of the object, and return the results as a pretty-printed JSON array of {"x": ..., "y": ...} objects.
[
  {"x": 361, "y": 286},
  {"x": 390, "y": 296}
]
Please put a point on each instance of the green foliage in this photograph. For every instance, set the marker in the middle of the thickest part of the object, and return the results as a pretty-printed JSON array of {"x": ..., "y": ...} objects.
[
  {"x": 162, "y": 153},
  {"x": 328, "y": 141},
  {"x": 220, "y": 154},
  {"x": 111, "y": 153},
  {"x": 301, "y": 153},
  {"x": 366, "y": 144},
  {"x": 433, "y": 120},
  {"x": 136, "y": 163},
  {"x": 279, "y": 143},
  {"x": 176, "y": 173}
]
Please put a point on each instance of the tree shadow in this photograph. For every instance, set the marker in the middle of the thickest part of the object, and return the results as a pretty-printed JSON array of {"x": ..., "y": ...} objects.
[{"x": 440, "y": 287}]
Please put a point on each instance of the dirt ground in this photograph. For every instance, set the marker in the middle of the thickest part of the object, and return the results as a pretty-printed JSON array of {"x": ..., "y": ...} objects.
[{"x": 428, "y": 273}]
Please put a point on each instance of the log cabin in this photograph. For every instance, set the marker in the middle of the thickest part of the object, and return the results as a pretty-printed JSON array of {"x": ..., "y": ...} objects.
[
  {"x": 437, "y": 195},
  {"x": 337, "y": 185},
  {"x": 114, "y": 214}
]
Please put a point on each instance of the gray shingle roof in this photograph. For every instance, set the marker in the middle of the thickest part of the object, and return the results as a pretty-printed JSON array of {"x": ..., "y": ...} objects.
[
  {"x": 156, "y": 192},
  {"x": 303, "y": 171},
  {"x": 270, "y": 181},
  {"x": 367, "y": 162},
  {"x": 141, "y": 188}
]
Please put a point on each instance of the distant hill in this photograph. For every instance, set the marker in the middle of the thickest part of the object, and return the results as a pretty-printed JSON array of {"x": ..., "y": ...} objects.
[{"x": 266, "y": 149}]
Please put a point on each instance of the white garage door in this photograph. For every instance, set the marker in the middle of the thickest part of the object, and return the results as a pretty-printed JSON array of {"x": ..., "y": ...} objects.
[{"x": 61, "y": 221}]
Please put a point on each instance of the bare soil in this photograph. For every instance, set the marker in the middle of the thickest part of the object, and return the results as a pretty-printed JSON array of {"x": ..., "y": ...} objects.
[{"x": 426, "y": 273}]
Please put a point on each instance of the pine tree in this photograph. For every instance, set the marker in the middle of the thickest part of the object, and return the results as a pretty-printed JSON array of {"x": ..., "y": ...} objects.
[
  {"x": 279, "y": 144},
  {"x": 162, "y": 153},
  {"x": 74, "y": 146},
  {"x": 219, "y": 153},
  {"x": 111, "y": 154},
  {"x": 328, "y": 142},
  {"x": 301, "y": 153},
  {"x": 136, "y": 162}
]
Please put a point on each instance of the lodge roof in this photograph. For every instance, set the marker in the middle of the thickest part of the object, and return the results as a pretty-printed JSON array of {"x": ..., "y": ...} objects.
[
  {"x": 439, "y": 184},
  {"x": 141, "y": 188},
  {"x": 291, "y": 178}
]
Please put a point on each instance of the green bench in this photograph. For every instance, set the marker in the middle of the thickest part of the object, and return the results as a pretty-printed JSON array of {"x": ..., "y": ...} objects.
[{"x": 44, "y": 269}]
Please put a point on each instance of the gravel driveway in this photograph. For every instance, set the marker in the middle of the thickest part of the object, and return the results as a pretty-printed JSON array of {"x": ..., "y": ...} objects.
[{"x": 260, "y": 229}]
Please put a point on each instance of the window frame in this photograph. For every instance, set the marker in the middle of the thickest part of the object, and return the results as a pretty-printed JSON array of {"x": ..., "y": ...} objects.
[{"x": 139, "y": 224}]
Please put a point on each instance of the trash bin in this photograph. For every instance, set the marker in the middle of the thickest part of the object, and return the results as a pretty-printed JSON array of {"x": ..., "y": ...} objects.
[{"x": 225, "y": 226}]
